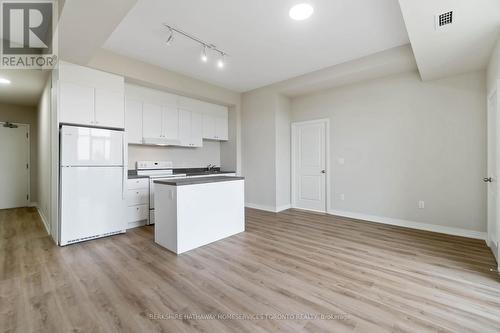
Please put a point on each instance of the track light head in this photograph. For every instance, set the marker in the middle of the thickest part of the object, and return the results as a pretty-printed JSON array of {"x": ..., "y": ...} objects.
[
  {"x": 204, "y": 56},
  {"x": 170, "y": 38},
  {"x": 222, "y": 61}
]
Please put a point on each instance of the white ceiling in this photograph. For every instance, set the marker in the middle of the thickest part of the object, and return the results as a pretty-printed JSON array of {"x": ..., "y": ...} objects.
[
  {"x": 463, "y": 46},
  {"x": 264, "y": 44},
  {"x": 26, "y": 86}
]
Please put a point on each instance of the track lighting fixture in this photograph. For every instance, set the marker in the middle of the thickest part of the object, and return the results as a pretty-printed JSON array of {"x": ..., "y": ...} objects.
[{"x": 206, "y": 47}]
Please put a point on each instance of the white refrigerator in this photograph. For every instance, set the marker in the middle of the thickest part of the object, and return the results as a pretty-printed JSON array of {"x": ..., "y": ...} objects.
[{"x": 92, "y": 183}]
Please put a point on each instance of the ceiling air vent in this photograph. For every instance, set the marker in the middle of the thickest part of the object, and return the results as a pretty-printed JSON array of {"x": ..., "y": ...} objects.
[{"x": 444, "y": 19}]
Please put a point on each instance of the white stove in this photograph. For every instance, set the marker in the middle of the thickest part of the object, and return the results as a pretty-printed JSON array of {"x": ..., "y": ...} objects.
[{"x": 156, "y": 170}]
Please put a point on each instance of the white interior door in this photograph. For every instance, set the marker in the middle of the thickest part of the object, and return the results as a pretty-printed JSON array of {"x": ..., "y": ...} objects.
[
  {"x": 14, "y": 166},
  {"x": 492, "y": 178},
  {"x": 309, "y": 165}
]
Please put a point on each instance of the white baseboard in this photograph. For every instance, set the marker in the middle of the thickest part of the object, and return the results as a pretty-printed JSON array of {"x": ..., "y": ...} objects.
[
  {"x": 33, "y": 204},
  {"x": 412, "y": 224},
  {"x": 261, "y": 207},
  {"x": 132, "y": 225},
  {"x": 494, "y": 247},
  {"x": 272, "y": 209},
  {"x": 44, "y": 219},
  {"x": 283, "y": 207}
]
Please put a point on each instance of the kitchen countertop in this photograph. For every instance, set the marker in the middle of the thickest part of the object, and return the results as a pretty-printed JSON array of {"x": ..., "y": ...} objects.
[
  {"x": 195, "y": 181},
  {"x": 132, "y": 174},
  {"x": 201, "y": 171}
]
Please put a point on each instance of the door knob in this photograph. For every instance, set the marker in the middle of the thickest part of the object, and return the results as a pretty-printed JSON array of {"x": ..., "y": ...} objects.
[
  {"x": 487, "y": 180},
  {"x": 323, "y": 171}
]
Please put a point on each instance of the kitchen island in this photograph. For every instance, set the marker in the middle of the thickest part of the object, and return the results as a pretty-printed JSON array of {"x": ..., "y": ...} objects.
[{"x": 192, "y": 212}]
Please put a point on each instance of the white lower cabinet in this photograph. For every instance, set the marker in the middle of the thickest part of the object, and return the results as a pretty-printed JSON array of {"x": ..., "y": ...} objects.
[
  {"x": 137, "y": 202},
  {"x": 136, "y": 214}
]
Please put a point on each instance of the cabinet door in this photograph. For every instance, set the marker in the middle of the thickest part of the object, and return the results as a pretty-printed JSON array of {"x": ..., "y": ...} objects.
[
  {"x": 152, "y": 121},
  {"x": 171, "y": 123},
  {"x": 133, "y": 121},
  {"x": 76, "y": 103},
  {"x": 185, "y": 127},
  {"x": 196, "y": 129},
  {"x": 221, "y": 128},
  {"x": 109, "y": 108},
  {"x": 208, "y": 127}
]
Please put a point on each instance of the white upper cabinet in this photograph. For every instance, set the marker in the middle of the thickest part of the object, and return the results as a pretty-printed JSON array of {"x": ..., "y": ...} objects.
[
  {"x": 90, "y": 97},
  {"x": 171, "y": 123},
  {"x": 190, "y": 128},
  {"x": 208, "y": 126},
  {"x": 152, "y": 122},
  {"x": 109, "y": 108},
  {"x": 185, "y": 127},
  {"x": 168, "y": 119},
  {"x": 196, "y": 129},
  {"x": 215, "y": 123},
  {"x": 221, "y": 128},
  {"x": 76, "y": 103},
  {"x": 133, "y": 121}
]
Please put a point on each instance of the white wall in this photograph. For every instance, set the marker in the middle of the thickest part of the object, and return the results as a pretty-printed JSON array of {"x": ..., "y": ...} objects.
[
  {"x": 404, "y": 140},
  {"x": 493, "y": 72},
  {"x": 266, "y": 147},
  {"x": 259, "y": 147},
  {"x": 283, "y": 166},
  {"x": 180, "y": 156},
  {"x": 25, "y": 115},
  {"x": 44, "y": 157}
]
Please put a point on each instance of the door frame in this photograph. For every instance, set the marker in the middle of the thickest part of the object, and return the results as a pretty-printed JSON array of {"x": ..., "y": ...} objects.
[
  {"x": 28, "y": 201},
  {"x": 328, "y": 188},
  {"x": 495, "y": 248}
]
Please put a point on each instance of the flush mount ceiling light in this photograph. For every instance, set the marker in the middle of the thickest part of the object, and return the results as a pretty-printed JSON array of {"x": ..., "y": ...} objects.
[
  {"x": 301, "y": 12},
  {"x": 206, "y": 47},
  {"x": 4, "y": 81}
]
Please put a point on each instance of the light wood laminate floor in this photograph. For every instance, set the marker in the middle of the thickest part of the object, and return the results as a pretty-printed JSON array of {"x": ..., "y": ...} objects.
[{"x": 368, "y": 277}]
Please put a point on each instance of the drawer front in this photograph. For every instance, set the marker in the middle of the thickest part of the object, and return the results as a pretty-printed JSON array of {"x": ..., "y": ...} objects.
[
  {"x": 137, "y": 213},
  {"x": 137, "y": 197},
  {"x": 138, "y": 183}
]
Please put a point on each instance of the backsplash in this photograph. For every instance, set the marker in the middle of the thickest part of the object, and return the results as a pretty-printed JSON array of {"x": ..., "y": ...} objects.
[{"x": 180, "y": 156}]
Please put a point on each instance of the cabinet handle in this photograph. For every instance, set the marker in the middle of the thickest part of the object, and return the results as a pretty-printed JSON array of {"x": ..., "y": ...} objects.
[{"x": 137, "y": 208}]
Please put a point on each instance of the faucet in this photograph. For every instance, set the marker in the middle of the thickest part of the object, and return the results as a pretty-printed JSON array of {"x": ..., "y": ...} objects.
[{"x": 210, "y": 167}]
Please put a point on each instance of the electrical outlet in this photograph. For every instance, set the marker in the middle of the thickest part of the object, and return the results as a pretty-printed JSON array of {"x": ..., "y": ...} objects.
[
  {"x": 421, "y": 204},
  {"x": 342, "y": 197}
]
